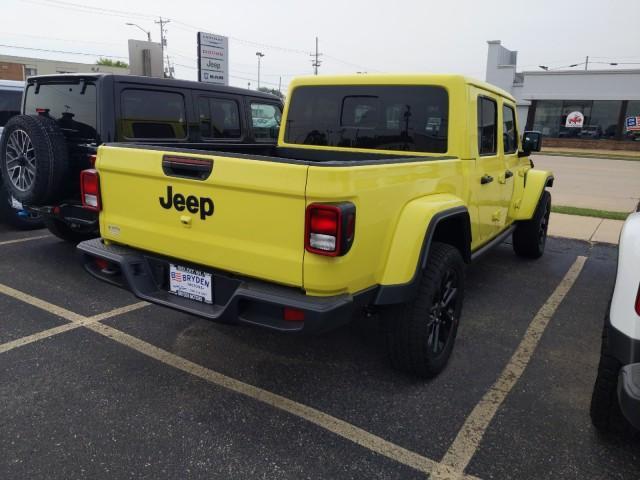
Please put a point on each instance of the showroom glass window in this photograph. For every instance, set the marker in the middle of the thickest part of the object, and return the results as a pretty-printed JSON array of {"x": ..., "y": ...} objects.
[
  {"x": 487, "y": 126},
  {"x": 633, "y": 110},
  {"x": 151, "y": 114},
  {"x": 413, "y": 118}
]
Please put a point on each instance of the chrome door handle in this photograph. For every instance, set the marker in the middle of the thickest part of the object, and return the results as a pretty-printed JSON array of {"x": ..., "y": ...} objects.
[{"x": 486, "y": 179}]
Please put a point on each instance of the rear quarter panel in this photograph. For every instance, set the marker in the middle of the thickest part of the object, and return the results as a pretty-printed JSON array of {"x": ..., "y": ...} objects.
[{"x": 380, "y": 193}]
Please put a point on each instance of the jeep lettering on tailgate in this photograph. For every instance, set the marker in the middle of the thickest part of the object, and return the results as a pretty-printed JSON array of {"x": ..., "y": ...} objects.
[{"x": 192, "y": 203}]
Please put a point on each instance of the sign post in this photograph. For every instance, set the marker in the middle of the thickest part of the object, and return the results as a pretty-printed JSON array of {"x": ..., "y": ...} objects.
[{"x": 213, "y": 58}]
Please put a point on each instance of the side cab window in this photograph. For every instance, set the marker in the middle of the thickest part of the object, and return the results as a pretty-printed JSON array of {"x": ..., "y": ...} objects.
[
  {"x": 265, "y": 120},
  {"x": 487, "y": 126},
  {"x": 219, "y": 118}
]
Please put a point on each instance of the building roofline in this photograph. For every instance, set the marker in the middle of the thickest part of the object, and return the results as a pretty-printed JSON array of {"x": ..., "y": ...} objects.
[{"x": 622, "y": 71}]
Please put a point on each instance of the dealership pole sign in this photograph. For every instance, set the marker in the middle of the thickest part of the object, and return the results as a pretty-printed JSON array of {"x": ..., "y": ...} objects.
[
  {"x": 213, "y": 58},
  {"x": 575, "y": 120}
]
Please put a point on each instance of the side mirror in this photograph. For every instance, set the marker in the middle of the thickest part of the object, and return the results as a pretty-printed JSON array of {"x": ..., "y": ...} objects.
[{"x": 531, "y": 142}]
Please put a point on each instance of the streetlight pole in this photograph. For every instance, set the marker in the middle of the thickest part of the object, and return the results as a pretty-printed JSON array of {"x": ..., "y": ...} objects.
[
  {"x": 145, "y": 31},
  {"x": 259, "y": 55}
]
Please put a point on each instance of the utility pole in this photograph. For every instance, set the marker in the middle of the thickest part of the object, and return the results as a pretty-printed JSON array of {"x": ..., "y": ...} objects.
[
  {"x": 163, "y": 44},
  {"x": 280, "y": 85},
  {"x": 259, "y": 55},
  {"x": 316, "y": 62},
  {"x": 586, "y": 63}
]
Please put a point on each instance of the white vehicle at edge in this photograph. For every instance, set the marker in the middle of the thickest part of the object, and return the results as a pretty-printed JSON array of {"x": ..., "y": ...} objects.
[{"x": 615, "y": 404}]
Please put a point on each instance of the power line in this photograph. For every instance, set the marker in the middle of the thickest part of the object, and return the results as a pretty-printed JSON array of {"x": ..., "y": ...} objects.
[{"x": 63, "y": 51}]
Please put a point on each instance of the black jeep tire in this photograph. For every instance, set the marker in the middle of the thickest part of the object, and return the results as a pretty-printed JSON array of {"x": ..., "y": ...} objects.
[
  {"x": 34, "y": 161},
  {"x": 605, "y": 411},
  {"x": 530, "y": 236},
  {"x": 11, "y": 216},
  {"x": 421, "y": 333},
  {"x": 67, "y": 233}
]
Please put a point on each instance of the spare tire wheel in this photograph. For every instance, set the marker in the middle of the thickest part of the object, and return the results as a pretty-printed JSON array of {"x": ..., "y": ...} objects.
[{"x": 33, "y": 159}]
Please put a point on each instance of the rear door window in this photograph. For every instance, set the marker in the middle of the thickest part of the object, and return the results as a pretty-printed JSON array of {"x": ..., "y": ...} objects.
[
  {"x": 265, "y": 118},
  {"x": 72, "y": 105},
  {"x": 9, "y": 105},
  {"x": 487, "y": 126},
  {"x": 219, "y": 118},
  {"x": 153, "y": 114}
]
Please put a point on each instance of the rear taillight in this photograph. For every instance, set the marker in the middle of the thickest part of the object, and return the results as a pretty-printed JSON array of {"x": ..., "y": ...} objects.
[
  {"x": 330, "y": 228},
  {"x": 638, "y": 301},
  {"x": 293, "y": 314},
  {"x": 90, "y": 189}
]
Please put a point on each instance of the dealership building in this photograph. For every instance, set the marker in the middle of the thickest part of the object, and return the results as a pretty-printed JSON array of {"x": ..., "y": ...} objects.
[{"x": 572, "y": 108}]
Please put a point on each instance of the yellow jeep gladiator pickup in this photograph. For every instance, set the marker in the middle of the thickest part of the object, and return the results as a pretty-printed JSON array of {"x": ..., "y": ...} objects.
[{"x": 380, "y": 189}]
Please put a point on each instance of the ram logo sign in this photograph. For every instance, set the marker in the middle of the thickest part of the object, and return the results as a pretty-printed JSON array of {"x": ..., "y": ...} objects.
[{"x": 575, "y": 120}]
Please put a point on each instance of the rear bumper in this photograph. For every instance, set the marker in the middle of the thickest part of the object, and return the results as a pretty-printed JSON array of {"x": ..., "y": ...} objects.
[
  {"x": 629, "y": 393},
  {"x": 236, "y": 299}
]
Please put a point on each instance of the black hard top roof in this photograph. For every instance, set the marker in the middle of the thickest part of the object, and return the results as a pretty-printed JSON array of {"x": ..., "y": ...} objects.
[{"x": 169, "y": 82}]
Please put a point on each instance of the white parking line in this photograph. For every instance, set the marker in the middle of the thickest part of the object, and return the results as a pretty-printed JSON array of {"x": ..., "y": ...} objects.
[
  {"x": 20, "y": 240},
  {"x": 332, "y": 424},
  {"x": 76, "y": 320},
  {"x": 470, "y": 435}
]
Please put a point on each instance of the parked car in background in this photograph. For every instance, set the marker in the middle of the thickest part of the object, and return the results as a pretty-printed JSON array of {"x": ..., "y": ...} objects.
[
  {"x": 615, "y": 404},
  {"x": 11, "y": 210},
  {"x": 66, "y": 117},
  {"x": 591, "y": 131}
]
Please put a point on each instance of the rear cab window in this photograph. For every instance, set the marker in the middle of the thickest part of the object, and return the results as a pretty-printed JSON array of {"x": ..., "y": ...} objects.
[
  {"x": 265, "y": 121},
  {"x": 152, "y": 115},
  {"x": 409, "y": 118},
  {"x": 72, "y": 105}
]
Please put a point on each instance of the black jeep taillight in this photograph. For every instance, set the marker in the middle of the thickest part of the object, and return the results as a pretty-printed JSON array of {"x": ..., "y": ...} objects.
[
  {"x": 330, "y": 228},
  {"x": 90, "y": 189},
  {"x": 638, "y": 301}
]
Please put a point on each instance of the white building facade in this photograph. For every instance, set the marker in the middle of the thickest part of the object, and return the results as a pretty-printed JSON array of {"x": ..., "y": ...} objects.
[{"x": 573, "y": 108}]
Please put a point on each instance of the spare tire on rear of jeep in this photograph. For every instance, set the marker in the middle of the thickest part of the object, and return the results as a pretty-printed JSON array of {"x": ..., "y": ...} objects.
[{"x": 34, "y": 161}]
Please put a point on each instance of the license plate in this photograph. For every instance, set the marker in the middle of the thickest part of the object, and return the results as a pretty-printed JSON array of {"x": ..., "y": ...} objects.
[{"x": 189, "y": 283}]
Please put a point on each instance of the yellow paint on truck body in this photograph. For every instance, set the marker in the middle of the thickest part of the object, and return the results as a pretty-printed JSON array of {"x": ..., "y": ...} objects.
[{"x": 257, "y": 228}]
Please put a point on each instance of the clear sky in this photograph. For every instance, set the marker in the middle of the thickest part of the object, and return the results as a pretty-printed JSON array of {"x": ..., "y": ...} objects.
[{"x": 355, "y": 35}]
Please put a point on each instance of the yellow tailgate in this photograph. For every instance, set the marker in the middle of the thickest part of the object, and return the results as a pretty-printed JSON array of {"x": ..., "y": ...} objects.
[{"x": 256, "y": 227}]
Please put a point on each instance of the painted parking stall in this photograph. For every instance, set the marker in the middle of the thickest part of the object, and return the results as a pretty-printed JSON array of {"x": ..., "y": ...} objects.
[{"x": 333, "y": 396}]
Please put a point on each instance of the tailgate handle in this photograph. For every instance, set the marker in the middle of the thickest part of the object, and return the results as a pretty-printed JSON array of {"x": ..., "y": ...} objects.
[{"x": 187, "y": 167}]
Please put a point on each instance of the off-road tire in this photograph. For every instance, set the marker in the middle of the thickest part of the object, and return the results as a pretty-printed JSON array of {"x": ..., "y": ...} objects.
[
  {"x": 51, "y": 159},
  {"x": 409, "y": 326},
  {"x": 9, "y": 215},
  {"x": 530, "y": 236},
  {"x": 606, "y": 414},
  {"x": 66, "y": 233}
]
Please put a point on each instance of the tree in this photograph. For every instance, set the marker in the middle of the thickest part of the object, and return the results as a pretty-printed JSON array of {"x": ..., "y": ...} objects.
[
  {"x": 272, "y": 91},
  {"x": 107, "y": 62}
]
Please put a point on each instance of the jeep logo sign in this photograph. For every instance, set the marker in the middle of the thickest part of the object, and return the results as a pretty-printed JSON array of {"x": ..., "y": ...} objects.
[{"x": 193, "y": 204}]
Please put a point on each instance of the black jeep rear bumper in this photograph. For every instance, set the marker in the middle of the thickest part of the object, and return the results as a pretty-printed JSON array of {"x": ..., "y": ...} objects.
[{"x": 236, "y": 299}]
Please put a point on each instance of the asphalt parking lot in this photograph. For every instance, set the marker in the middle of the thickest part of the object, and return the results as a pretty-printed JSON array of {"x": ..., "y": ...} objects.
[{"x": 95, "y": 384}]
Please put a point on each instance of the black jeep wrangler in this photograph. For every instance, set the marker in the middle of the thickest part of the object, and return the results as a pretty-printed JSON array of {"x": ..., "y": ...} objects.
[{"x": 66, "y": 117}]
